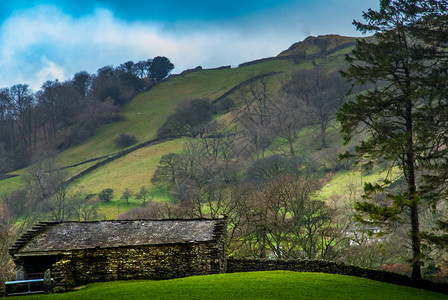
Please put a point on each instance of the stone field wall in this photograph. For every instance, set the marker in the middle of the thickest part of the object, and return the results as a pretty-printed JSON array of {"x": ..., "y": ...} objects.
[{"x": 320, "y": 266}]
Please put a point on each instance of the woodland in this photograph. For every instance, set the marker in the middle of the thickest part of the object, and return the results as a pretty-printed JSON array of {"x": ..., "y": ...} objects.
[{"x": 335, "y": 149}]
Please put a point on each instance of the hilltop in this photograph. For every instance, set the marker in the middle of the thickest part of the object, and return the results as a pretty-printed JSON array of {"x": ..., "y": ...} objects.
[{"x": 321, "y": 45}]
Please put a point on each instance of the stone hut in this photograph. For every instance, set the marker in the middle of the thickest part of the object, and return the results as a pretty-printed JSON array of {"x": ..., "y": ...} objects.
[{"x": 81, "y": 252}]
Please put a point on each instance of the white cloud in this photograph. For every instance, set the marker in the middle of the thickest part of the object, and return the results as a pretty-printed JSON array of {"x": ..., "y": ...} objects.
[
  {"x": 45, "y": 43},
  {"x": 49, "y": 71}
]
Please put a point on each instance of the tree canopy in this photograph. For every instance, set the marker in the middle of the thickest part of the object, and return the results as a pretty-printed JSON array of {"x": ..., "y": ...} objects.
[
  {"x": 403, "y": 122},
  {"x": 161, "y": 67}
]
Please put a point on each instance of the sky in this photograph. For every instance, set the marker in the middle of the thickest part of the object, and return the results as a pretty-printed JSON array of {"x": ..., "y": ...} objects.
[{"x": 44, "y": 40}]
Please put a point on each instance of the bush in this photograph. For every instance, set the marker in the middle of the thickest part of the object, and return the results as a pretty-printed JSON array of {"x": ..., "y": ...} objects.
[
  {"x": 189, "y": 119},
  {"x": 225, "y": 105},
  {"x": 106, "y": 194},
  {"x": 124, "y": 140},
  {"x": 75, "y": 136}
]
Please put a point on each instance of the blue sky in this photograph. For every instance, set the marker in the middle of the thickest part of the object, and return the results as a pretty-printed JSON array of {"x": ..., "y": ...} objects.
[{"x": 47, "y": 39}]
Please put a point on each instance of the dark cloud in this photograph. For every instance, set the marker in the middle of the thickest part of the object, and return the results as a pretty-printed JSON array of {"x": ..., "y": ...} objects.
[{"x": 171, "y": 10}]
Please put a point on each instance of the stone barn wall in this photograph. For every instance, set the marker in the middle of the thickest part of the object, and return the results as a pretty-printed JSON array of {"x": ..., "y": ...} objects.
[{"x": 139, "y": 262}]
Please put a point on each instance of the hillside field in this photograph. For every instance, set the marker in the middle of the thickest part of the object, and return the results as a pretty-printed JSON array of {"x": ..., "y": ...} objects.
[{"x": 145, "y": 113}]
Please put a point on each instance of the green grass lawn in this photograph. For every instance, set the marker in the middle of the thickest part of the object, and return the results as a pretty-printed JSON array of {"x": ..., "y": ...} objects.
[{"x": 251, "y": 285}]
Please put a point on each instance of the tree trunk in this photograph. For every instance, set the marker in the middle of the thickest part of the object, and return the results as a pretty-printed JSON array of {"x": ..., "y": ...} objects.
[
  {"x": 413, "y": 204},
  {"x": 323, "y": 132},
  {"x": 416, "y": 245},
  {"x": 291, "y": 147}
]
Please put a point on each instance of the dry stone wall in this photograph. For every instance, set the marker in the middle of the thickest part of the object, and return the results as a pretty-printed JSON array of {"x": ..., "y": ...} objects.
[
  {"x": 320, "y": 266},
  {"x": 138, "y": 262}
]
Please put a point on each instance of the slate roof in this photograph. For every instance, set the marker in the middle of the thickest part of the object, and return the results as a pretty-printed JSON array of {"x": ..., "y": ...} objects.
[{"x": 58, "y": 237}]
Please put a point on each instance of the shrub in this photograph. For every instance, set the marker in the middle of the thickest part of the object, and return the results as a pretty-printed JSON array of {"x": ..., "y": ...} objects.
[
  {"x": 124, "y": 140},
  {"x": 189, "y": 119},
  {"x": 106, "y": 194},
  {"x": 75, "y": 136},
  {"x": 225, "y": 105}
]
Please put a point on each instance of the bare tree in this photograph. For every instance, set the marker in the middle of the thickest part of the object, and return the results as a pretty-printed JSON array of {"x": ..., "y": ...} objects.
[
  {"x": 8, "y": 234},
  {"x": 282, "y": 220},
  {"x": 126, "y": 195},
  {"x": 58, "y": 203},
  {"x": 47, "y": 187},
  {"x": 10, "y": 230},
  {"x": 319, "y": 95},
  {"x": 143, "y": 195},
  {"x": 85, "y": 209},
  {"x": 192, "y": 154},
  {"x": 8, "y": 126},
  {"x": 255, "y": 117},
  {"x": 22, "y": 101},
  {"x": 218, "y": 140},
  {"x": 287, "y": 122}
]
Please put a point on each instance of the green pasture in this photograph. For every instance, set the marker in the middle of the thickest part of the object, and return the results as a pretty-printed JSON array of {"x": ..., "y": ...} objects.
[
  {"x": 250, "y": 285},
  {"x": 146, "y": 112},
  {"x": 11, "y": 184},
  {"x": 352, "y": 181},
  {"x": 131, "y": 171}
]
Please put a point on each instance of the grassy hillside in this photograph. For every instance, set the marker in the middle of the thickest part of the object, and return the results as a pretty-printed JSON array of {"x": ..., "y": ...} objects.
[
  {"x": 253, "y": 285},
  {"x": 145, "y": 113}
]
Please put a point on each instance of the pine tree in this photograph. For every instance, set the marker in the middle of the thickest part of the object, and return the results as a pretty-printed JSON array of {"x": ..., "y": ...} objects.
[{"x": 404, "y": 121}]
